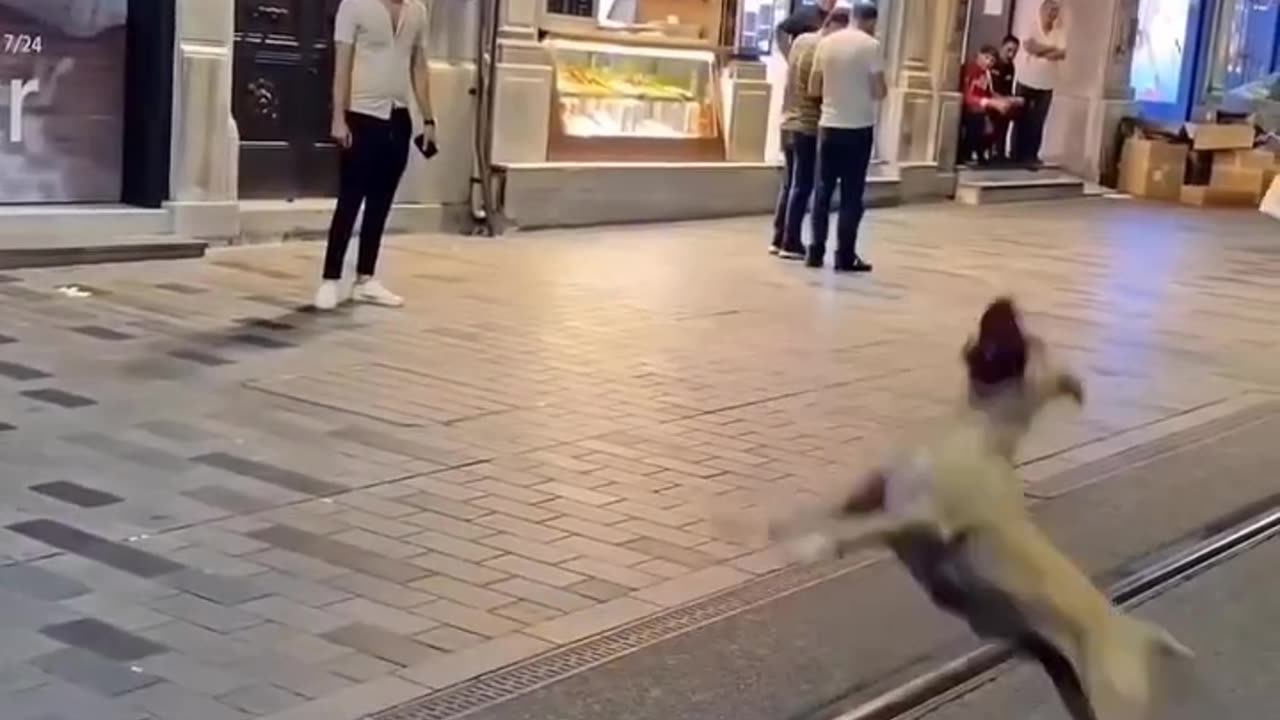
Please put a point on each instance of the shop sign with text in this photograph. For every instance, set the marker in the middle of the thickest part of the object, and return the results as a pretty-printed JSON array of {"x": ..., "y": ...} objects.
[{"x": 62, "y": 82}]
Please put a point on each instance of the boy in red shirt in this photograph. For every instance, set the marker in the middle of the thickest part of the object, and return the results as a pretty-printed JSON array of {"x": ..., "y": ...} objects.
[{"x": 984, "y": 109}]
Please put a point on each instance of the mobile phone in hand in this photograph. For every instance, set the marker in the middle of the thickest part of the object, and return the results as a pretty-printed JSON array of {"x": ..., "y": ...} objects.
[{"x": 428, "y": 148}]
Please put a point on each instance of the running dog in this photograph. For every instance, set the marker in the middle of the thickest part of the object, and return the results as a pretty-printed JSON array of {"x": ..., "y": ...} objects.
[{"x": 950, "y": 506}]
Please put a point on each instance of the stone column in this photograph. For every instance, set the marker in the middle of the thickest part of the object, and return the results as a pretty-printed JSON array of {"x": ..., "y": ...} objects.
[
  {"x": 522, "y": 107},
  {"x": 920, "y": 121},
  {"x": 206, "y": 146},
  {"x": 903, "y": 126},
  {"x": 1116, "y": 99},
  {"x": 1096, "y": 94},
  {"x": 947, "y": 67}
]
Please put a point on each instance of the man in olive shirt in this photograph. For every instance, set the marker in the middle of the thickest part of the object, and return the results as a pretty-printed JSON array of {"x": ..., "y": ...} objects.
[
  {"x": 800, "y": 114},
  {"x": 807, "y": 18}
]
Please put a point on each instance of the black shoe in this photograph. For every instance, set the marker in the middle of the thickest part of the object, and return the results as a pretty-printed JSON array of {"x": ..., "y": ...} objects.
[
  {"x": 857, "y": 266},
  {"x": 813, "y": 260}
]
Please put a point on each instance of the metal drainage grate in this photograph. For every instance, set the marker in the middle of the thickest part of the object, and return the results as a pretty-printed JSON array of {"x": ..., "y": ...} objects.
[
  {"x": 527, "y": 676},
  {"x": 511, "y": 682}
]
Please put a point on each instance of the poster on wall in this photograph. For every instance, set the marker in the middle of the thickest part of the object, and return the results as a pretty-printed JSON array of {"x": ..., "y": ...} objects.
[
  {"x": 1156, "y": 72},
  {"x": 62, "y": 91}
]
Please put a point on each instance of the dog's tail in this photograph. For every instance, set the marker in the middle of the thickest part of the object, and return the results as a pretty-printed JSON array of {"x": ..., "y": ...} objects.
[{"x": 1121, "y": 665}]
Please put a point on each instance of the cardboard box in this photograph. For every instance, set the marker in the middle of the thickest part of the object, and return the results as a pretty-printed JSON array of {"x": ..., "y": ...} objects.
[
  {"x": 1243, "y": 180},
  {"x": 1206, "y": 136},
  {"x": 1271, "y": 202},
  {"x": 1208, "y": 196},
  {"x": 1258, "y": 159},
  {"x": 1152, "y": 169}
]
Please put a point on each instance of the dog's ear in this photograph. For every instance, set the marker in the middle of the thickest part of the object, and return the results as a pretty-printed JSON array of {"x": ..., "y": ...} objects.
[
  {"x": 1000, "y": 352},
  {"x": 1000, "y": 326},
  {"x": 868, "y": 497}
]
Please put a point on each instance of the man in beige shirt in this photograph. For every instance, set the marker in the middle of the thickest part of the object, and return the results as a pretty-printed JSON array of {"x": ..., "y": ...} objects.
[
  {"x": 380, "y": 60},
  {"x": 800, "y": 114}
]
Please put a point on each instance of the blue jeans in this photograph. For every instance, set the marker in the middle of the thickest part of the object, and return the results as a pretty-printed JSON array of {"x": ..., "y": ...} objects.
[
  {"x": 801, "y": 151},
  {"x": 844, "y": 157},
  {"x": 782, "y": 207}
]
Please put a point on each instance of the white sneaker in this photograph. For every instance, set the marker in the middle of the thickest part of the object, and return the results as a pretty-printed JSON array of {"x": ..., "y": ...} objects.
[
  {"x": 327, "y": 296},
  {"x": 374, "y": 293}
]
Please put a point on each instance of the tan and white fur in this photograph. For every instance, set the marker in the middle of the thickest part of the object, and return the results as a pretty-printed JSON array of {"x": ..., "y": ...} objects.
[{"x": 961, "y": 479}]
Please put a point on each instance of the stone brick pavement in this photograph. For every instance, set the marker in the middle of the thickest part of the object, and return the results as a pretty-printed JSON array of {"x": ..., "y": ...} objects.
[{"x": 219, "y": 505}]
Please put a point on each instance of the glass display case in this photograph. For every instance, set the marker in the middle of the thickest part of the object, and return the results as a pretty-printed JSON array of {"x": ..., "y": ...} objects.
[{"x": 620, "y": 102}]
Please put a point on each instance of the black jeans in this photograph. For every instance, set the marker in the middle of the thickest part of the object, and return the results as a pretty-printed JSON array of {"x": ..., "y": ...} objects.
[
  {"x": 975, "y": 144},
  {"x": 944, "y": 571},
  {"x": 1028, "y": 132},
  {"x": 1000, "y": 143},
  {"x": 369, "y": 175},
  {"x": 801, "y": 153},
  {"x": 844, "y": 156}
]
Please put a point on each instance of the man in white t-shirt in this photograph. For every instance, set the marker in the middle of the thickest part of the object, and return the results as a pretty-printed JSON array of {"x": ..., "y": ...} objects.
[
  {"x": 848, "y": 74},
  {"x": 380, "y": 59},
  {"x": 1041, "y": 63}
]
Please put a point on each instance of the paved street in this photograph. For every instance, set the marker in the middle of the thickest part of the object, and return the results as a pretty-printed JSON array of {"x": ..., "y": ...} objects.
[
  {"x": 1228, "y": 615},
  {"x": 219, "y": 505}
]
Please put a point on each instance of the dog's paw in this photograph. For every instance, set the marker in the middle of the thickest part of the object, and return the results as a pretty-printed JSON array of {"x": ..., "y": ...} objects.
[{"x": 812, "y": 548}]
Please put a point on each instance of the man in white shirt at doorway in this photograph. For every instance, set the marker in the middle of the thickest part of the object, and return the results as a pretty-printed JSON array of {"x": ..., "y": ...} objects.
[
  {"x": 1042, "y": 56},
  {"x": 380, "y": 59},
  {"x": 848, "y": 74}
]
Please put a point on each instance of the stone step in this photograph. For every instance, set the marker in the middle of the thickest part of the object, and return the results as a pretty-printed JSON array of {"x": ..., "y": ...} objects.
[
  {"x": 23, "y": 224},
  {"x": 559, "y": 194},
  {"x": 1010, "y": 186},
  {"x": 55, "y": 252}
]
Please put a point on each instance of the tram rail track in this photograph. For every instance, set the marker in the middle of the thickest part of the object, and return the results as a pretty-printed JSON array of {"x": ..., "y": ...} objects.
[{"x": 959, "y": 676}]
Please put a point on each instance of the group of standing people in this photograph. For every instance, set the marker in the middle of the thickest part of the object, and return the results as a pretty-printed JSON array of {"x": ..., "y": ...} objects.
[
  {"x": 835, "y": 82},
  {"x": 1013, "y": 86}
]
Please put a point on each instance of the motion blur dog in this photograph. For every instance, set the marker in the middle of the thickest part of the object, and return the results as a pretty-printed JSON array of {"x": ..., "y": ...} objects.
[{"x": 950, "y": 506}]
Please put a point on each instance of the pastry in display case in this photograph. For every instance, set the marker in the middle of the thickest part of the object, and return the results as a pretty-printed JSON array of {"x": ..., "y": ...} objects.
[{"x": 621, "y": 102}]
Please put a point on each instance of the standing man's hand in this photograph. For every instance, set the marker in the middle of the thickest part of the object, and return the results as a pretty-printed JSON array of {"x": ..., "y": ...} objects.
[
  {"x": 428, "y": 131},
  {"x": 340, "y": 132}
]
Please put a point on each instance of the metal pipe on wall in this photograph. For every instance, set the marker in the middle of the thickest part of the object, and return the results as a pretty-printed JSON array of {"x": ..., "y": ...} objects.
[{"x": 485, "y": 210}]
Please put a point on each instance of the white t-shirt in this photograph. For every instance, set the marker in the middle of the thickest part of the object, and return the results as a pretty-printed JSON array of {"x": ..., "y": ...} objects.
[
  {"x": 380, "y": 79},
  {"x": 1037, "y": 72},
  {"x": 847, "y": 60}
]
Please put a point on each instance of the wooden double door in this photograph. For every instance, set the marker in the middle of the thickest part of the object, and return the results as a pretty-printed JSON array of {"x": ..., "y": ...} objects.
[{"x": 282, "y": 98}]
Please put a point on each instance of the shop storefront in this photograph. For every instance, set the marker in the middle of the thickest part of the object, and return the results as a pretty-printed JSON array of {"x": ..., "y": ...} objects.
[
  {"x": 620, "y": 110},
  {"x": 252, "y": 154},
  {"x": 623, "y": 92},
  {"x": 1243, "y": 60},
  {"x": 652, "y": 80},
  {"x": 72, "y": 75},
  {"x": 1190, "y": 53},
  {"x": 604, "y": 110},
  {"x": 65, "y": 91}
]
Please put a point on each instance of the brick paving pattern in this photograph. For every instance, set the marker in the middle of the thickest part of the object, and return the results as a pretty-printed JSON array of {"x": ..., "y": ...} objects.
[{"x": 220, "y": 505}]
